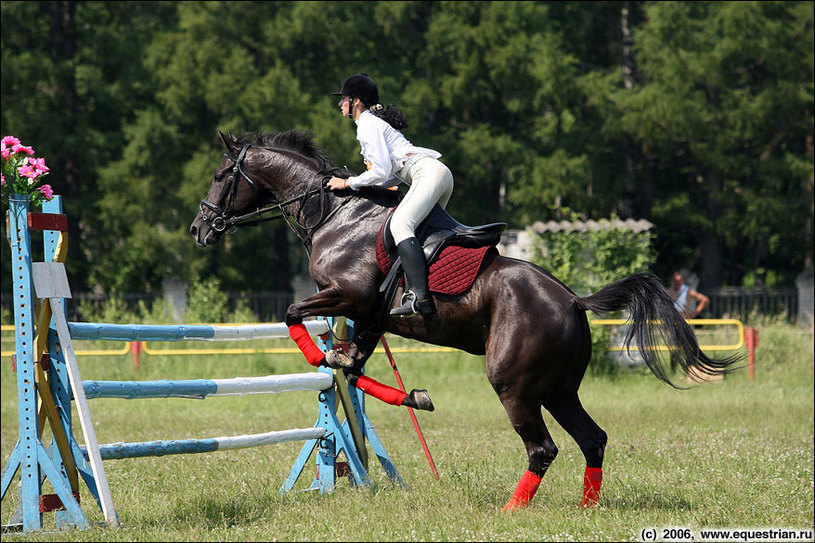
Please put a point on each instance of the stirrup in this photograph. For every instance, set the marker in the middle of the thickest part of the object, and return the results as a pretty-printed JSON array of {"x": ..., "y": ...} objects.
[{"x": 410, "y": 306}]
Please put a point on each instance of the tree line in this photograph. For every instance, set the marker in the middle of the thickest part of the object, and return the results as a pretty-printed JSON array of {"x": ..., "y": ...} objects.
[{"x": 697, "y": 116}]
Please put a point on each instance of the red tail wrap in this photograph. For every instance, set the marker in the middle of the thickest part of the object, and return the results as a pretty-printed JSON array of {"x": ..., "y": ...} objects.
[
  {"x": 592, "y": 479},
  {"x": 527, "y": 487},
  {"x": 303, "y": 340},
  {"x": 378, "y": 390}
]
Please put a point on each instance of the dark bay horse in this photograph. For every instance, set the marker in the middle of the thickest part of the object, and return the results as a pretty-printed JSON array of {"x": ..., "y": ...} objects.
[{"x": 532, "y": 328}]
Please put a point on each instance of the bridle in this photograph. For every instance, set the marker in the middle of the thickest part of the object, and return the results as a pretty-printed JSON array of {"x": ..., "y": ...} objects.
[{"x": 221, "y": 218}]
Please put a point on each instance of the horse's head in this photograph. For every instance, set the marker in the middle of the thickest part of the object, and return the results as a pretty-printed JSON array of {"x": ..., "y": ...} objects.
[
  {"x": 230, "y": 195},
  {"x": 257, "y": 175}
]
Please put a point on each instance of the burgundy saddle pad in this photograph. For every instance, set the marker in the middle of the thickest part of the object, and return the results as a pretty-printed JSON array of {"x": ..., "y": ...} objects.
[{"x": 452, "y": 272}]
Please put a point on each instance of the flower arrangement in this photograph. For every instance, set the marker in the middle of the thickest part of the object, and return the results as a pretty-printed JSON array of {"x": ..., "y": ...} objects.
[{"x": 22, "y": 172}]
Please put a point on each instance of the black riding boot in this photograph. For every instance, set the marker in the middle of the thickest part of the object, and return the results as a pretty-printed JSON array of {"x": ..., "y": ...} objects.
[{"x": 416, "y": 299}]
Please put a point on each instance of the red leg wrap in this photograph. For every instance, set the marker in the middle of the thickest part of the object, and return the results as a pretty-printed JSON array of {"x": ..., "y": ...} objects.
[
  {"x": 527, "y": 487},
  {"x": 591, "y": 486},
  {"x": 303, "y": 340},
  {"x": 378, "y": 390}
]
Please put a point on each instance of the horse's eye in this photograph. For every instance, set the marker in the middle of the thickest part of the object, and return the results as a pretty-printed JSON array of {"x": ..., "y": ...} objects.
[{"x": 219, "y": 177}]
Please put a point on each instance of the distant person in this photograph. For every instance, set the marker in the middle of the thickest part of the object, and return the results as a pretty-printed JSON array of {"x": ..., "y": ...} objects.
[{"x": 681, "y": 294}]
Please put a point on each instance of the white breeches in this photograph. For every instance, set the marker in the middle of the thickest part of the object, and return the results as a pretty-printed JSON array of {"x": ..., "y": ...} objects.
[{"x": 431, "y": 183}]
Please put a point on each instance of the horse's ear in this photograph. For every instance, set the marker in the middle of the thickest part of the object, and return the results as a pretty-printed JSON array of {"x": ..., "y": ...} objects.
[{"x": 229, "y": 141}]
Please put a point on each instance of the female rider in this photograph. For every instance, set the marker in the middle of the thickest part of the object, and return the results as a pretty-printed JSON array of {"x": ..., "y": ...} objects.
[{"x": 392, "y": 159}]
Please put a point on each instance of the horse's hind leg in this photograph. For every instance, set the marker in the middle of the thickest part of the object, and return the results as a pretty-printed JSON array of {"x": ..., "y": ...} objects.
[
  {"x": 569, "y": 413},
  {"x": 526, "y": 418}
]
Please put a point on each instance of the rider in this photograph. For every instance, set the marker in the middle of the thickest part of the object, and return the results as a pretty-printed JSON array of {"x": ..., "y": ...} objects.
[{"x": 391, "y": 159}]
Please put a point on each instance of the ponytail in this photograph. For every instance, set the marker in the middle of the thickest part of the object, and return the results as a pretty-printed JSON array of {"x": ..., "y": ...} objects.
[{"x": 391, "y": 115}]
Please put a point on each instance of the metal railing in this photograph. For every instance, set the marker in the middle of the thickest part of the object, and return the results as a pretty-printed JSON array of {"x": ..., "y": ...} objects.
[
  {"x": 270, "y": 306},
  {"x": 138, "y": 347},
  {"x": 742, "y": 302},
  {"x": 693, "y": 322}
]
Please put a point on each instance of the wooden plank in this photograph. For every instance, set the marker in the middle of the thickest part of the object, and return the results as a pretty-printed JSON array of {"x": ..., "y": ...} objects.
[
  {"x": 50, "y": 280},
  {"x": 48, "y": 221},
  {"x": 49, "y": 408},
  {"x": 81, "y": 402},
  {"x": 351, "y": 416}
]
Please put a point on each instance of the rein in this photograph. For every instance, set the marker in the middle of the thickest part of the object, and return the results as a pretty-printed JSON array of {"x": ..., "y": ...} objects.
[{"x": 222, "y": 220}]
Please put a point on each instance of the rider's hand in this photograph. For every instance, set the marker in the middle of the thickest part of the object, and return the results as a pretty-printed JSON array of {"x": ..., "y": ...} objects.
[{"x": 338, "y": 183}]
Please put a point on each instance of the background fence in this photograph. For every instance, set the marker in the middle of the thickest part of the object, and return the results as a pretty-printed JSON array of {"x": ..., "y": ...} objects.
[
  {"x": 266, "y": 306},
  {"x": 725, "y": 303},
  {"x": 740, "y": 303}
]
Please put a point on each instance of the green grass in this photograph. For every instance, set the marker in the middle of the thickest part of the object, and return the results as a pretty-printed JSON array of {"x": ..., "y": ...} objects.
[{"x": 735, "y": 454}]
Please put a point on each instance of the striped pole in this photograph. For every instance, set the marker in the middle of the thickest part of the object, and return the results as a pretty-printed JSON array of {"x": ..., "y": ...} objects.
[
  {"x": 186, "y": 332},
  {"x": 203, "y": 388},
  {"x": 118, "y": 451}
]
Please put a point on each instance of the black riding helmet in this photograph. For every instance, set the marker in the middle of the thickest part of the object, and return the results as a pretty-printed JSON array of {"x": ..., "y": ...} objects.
[{"x": 360, "y": 86}]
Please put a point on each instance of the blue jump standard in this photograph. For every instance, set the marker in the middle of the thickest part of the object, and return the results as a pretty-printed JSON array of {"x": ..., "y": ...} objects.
[{"x": 327, "y": 438}]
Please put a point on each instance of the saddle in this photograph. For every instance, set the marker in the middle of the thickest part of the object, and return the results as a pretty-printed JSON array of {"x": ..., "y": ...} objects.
[{"x": 454, "y": 253}]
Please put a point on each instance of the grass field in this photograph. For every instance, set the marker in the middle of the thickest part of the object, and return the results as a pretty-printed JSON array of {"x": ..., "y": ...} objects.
[{"x": 736, "y": 454}]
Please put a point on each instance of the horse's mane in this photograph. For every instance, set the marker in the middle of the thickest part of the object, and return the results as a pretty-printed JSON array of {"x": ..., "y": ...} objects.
[
  {"x": 299, "y": 141},
  {"x": 302, "y": 143}
]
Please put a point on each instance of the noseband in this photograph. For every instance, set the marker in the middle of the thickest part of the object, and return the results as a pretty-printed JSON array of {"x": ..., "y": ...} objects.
[{"x": 221, "y": 218}]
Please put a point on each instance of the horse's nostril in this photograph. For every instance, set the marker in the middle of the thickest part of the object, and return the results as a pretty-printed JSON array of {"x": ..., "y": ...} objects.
[{"x": 194, "y": 230}]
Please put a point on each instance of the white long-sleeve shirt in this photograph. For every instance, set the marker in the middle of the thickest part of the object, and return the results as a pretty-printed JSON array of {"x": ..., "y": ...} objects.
[{"x": 385, "y": 151}]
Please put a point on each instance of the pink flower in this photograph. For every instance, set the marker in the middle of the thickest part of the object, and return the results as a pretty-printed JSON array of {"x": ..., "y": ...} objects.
[
  {"x": 47, "y": 191},
  {"x": 39, "y": 165},
  {"x": 24, "y": 171},
  {"x": 20, "y": 148},
  {"x": 28, "y": 171}
]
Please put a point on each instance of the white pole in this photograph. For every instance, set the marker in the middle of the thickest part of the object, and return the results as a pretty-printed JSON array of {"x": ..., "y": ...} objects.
[
  {"x": 84, "y": 414},
  {"x": 51, "y": 282}
]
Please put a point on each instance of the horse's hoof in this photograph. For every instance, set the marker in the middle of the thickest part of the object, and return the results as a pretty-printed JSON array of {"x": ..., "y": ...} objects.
[
  {"x": 588, "y": 504},
  {"x": 512, "y": 505},
  {"x": 338, "y": 360},
  {"x": 421, "y": 400}
]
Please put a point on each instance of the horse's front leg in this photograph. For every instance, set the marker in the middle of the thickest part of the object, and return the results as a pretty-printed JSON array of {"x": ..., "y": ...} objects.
[
  {"x": 361, "y": 347},
  {"x": 330, "y": 303},
  {"x": 326, "y": 303}
]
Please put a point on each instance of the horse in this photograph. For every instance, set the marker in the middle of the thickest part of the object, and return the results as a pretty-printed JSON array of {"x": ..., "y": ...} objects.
[{"x": 532, "y": 329}]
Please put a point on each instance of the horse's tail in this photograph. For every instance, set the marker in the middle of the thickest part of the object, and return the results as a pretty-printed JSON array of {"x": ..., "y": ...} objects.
[{"x": 653, "y": 316}]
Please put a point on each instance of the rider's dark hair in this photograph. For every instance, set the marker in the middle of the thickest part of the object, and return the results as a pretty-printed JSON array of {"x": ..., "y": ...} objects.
[{"x": 391, "y": 115}]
